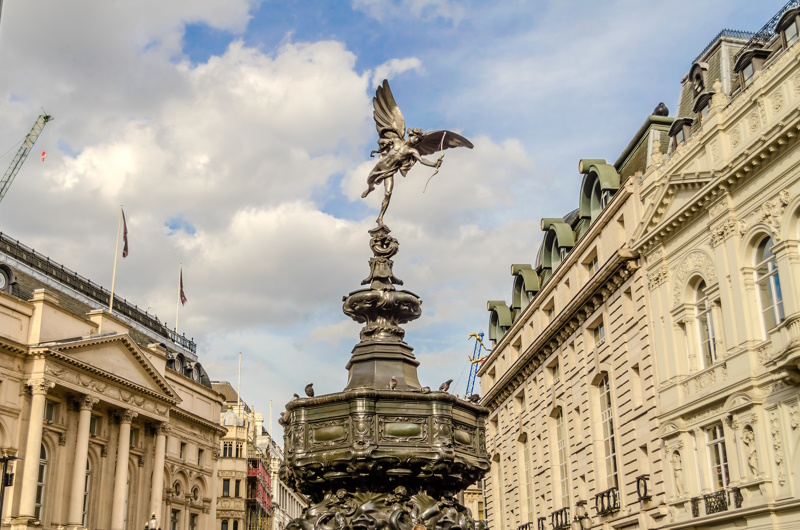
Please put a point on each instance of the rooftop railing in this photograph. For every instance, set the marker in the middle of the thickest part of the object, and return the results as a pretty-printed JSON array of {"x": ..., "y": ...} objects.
[{"x": 762, "y": 37}]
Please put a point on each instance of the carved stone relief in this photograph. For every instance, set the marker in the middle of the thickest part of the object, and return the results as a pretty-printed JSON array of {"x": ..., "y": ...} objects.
[
  {"x": 696, "y": 260},
  {"x": 657, "y": 277},
  {"x": 753, "y": 122},
  {"x": 796, "y": 84},
  {"x": 677, "y": 474},
  {"x": 777, "y": 101},
  {"x": 775, "y": 430},
  {"x": 736, "y": 136},
  {"x": 751, "y": 451},
  {"x": 771, "y": 212}
]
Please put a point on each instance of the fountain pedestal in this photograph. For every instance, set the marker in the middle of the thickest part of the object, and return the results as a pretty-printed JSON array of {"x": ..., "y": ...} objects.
[{"x": 385, "y": 452}]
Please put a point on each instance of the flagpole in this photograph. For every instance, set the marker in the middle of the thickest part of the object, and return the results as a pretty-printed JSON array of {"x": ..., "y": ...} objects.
[
  {"x": 178, "y": 305},
  {"x": 114, "y": 274}
]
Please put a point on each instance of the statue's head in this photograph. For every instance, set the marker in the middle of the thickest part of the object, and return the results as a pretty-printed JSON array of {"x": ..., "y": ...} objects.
[{"x": 415, "y": 134}]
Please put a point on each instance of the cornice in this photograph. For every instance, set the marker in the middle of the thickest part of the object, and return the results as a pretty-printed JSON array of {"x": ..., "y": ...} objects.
[
  {"x": 619, "y": 199},
  {"x": 193, "y": 418},
  {"x": 602, "y": 285},
  {"x": 16, "y": 348}
]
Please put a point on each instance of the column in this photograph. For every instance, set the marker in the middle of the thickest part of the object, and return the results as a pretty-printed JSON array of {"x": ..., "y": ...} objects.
[
  {"x": 30, "y": 471},
  {"x": 121, "y": 477},
  {"x": 157, "y": 487},
  {"x": 81, "y": 455},
  {"x": 214, "y": 489}
]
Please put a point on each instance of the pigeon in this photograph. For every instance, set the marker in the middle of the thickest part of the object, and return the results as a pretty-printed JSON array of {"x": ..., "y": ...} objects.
[
  {"x": 310, "y": 390},
  {"x": 661, "y": 110},
  {"x": 424, "y": 390},
  {"x": 295, "y": 396},
  {"x": 392, "y": 383},
  {"x": 474, "y": 398},
  {"x": 445, "y": 386},
  {"x": 285, "y": 417}
]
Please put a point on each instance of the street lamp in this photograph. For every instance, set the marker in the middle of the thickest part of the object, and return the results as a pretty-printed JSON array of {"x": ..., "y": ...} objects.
[
  {"x": 152, "y": 524},
  {"x": 581, "y": 520},
  {"x": 5, "y": 479}
]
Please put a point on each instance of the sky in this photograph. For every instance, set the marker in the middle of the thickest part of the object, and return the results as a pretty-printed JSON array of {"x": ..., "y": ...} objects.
[{"x": 237, "y": 136}]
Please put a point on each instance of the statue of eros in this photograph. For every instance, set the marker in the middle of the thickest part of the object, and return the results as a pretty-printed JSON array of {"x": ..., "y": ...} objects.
[{"x": 398, "y": 153}]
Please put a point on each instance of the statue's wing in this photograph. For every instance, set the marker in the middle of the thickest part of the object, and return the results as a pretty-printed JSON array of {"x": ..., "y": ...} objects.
[
  {"x": 388, "y": 118},
  {"x": 433, "y": 141}
]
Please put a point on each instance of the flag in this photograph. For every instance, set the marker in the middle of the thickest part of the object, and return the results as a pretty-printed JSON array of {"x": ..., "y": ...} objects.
[
  {"x": 124, "y": 235},
  {"x": 44, "y": 155},
  {"x": 182, "y": 295}
]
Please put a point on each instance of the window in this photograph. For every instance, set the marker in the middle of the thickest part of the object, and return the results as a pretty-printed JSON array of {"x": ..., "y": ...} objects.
[
  {"x": 199, "y": 457},
  {"x": 224, "y": 525},
  {"x": 236, "y": 492},
  {"x": 94, "y": 427},
  {"x": 679, "y": 137},
  {"x": 705, "y": 326},
  {"x": 174, "y": 519},
  {"x": 563, "y": 469},
  {"x": 769, "y": 285},
  {"x": 226, "y": 487},
  {"x": 239, "y": 450},
  {"x": 747, "y": 74},
  {"x": 182, "y": 451},
  {"x": 192, "y": 521},
  {"x": 51, "y": 412},
  {"x": 86, "y": 484},
  {"x": 195, "y": 493},
  {"x": 791, "y": 33},
  {"x": 593, "y": 265},
  {"x": 609, "y": 441},
  {"x": 627, "y": 303},
  {"x": 555, "y": 373},
  {"x": 40, "y": 482},
  {"x": 236, "y": 525},
  {"x": 134, "y": 436},
  {"x": 528, "y": 476},
  {"x": 227, "y": 449},
  {"x": 599, "y": 334},
  {"x": 718, "y": 456}
]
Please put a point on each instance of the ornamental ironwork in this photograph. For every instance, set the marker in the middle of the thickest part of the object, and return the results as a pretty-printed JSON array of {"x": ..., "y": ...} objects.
[
  {"x": 716, "y": 502},
  {"x": 607, "y": 501},
  {"x": 559, "y": 519},
  {"x": 526, "y": 526},
  {"x": 540, "y": 523},
  {"x": 735, "y": 498},
  {"x": 641, "y": 487},
  {"x": 695, "y": 506},
  {"x": 762, "y": 37}
]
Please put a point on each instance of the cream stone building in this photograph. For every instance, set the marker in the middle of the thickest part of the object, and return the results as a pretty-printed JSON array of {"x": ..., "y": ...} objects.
[
  {"x": 570, "y": 378},
  {"x": 720, "y": 244},
  {"x": 113, "y": 416},
  {"x": 287, "y": 504},
  {"x": 244, "y": 492}
]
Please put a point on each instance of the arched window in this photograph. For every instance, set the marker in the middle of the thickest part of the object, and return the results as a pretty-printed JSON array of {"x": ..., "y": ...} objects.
[
  {"x": 235, "y": 525},
  {"x": 86, "y": 485},
  {"x": 40, "y": 482},
  {"x": 705, "y": 325},
  {"x": 769, "y": 285},
  {"x": 609, "y": 440},
  {"x": 563, "y": 462},
  {"x": 224, "y": 525}
]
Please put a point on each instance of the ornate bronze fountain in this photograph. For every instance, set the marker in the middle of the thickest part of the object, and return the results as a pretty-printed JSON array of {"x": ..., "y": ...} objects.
[{"x": 385, "y": 453}]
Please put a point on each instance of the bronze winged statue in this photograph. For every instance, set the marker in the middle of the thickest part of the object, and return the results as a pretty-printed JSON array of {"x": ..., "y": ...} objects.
[{"x": 398, "y": 153}]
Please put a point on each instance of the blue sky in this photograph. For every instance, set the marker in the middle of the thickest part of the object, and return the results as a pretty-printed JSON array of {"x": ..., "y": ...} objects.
[{"x": 237, "y": 135}]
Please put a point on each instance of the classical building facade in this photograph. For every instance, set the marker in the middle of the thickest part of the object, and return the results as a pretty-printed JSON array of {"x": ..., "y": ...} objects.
[
  {"x": 287, "y": 504},
  {"x": 719, "y": 242},
  {"x": 244, "y": 492},
  {"x": 114, "y": 418},
  {"x": 649, "y": 361}
]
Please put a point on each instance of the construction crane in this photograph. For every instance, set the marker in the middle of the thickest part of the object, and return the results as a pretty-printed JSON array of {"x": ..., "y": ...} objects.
[
  {"x": 22, "y": 154},
  {"x": 475, "y": 361}
]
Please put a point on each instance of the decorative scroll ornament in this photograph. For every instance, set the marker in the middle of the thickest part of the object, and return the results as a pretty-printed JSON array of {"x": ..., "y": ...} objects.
[
  {"x": 775, "y": 430},
  {"x": 698, "y": 261}
]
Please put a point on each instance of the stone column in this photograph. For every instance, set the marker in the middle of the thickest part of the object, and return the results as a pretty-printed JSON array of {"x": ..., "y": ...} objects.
[
  {"x": 213, "y": 489},
  {"x": 121, "y": 477},
  {"x": 157, "y": 487},
  {"x": 81, "y": 455},
  {"x": 33, "y": 447}
]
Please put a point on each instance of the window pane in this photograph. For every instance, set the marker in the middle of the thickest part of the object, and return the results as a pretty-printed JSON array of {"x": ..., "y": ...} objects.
[{"x": 791, "y": 34}]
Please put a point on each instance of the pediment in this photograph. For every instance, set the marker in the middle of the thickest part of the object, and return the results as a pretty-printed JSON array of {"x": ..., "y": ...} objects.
[
  {"x": 118, "y": 358},
  {"x": 669, "y": 204},
  {"x": 670, "y": 428},
  {"x": 738, "y": 401}
]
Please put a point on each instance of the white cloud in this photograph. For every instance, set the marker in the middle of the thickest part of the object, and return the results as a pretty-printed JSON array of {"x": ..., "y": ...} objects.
[
  {"x": 394, "y": 67},
  {"x": 388, "y": 10}
]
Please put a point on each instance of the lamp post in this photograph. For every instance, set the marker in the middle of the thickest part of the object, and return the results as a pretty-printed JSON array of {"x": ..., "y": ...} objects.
[
  {"x": 581, "y": 520},
  {"x": 4, "y": 479},
  {"x": 152, "y": 524}
]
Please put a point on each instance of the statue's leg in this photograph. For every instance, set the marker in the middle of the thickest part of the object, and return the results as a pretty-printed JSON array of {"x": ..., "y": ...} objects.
[
  {"x": 388, "y": 182},
  {"x": 372, "y": 179}
]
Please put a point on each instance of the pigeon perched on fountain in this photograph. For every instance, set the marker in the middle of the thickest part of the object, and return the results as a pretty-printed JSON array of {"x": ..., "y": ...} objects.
[
  {"x": 310, "y": 390},
  {"x": 445, "y": 386}
]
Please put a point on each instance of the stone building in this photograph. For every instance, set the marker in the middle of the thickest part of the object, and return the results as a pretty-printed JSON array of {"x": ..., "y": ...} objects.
[
  {"x": 649, "y": 360},
  {"x": 570, "y": 379},
  {"x": 719, "y": 241},
  {"x": 244, "y": 494},
  {"x": 287, "y": 504},
  {"x": 112, "y": 413}
]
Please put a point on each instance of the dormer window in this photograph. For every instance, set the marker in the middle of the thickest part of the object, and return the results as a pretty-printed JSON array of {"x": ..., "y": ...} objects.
[
  {"x": 747, "y": 74},
  {"x": 790, "y": 33},
  {"x": 697, "y": 76},
  {"x": 680, "y": 130},
  {"x": 697, "y": 82}
]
